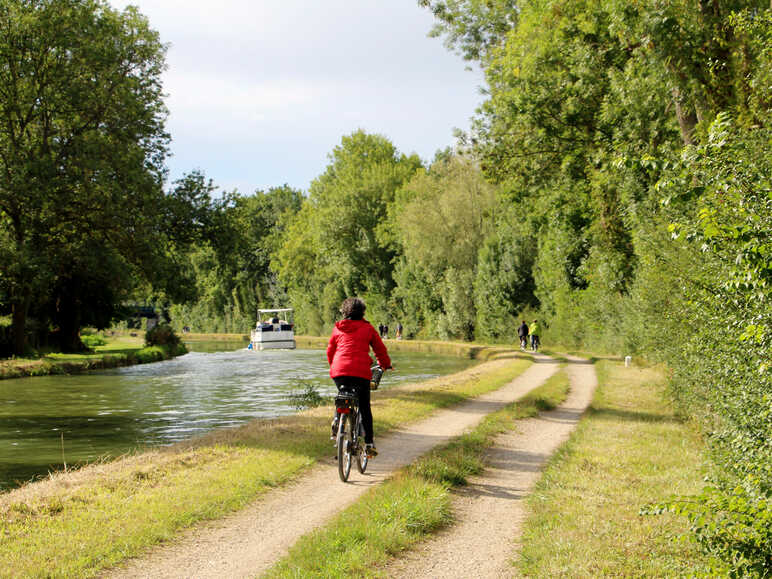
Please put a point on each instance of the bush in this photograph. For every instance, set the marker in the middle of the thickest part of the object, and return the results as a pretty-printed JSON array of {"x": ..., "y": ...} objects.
[
  {"x": 720, "y": 348},
  {"x": 309, "y": 398},
  {"x": 92, "y": 340},
  {"x": 163, "y": 335}
]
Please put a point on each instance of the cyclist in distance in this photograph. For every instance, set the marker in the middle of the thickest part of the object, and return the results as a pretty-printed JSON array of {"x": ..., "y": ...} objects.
[
  {"x": 522, "y": 333},
  {"x": 348, "y": 353},
  {"x": 535, "y": 331}
]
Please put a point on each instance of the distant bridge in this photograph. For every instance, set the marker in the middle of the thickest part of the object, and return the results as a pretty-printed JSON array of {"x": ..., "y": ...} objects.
[{"x": 141, "y": 311}]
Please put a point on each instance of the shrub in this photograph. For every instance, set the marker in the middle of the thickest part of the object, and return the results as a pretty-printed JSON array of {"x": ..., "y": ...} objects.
[
  {"x": 163, "y": 335},
  {"x": 92, "y": 340},
  {"x": 309, "y": 398}
]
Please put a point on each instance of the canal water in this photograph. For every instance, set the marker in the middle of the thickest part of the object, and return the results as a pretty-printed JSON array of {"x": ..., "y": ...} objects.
[{"x": 47, "y": 420}]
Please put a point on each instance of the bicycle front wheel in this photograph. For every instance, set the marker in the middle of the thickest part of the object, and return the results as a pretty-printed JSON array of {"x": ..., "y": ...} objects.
[{"x": 345, "y": 442}]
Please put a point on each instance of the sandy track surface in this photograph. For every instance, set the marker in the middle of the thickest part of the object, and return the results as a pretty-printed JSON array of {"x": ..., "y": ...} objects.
[
  {"x": 490, "y": 510},
  {"x": 250, "y": 541}
]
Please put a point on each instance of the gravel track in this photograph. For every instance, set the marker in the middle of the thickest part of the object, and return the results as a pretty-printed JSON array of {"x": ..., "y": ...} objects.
[
  {"x": 250, "y": 541},
  {"x": 489, "y": 512}
]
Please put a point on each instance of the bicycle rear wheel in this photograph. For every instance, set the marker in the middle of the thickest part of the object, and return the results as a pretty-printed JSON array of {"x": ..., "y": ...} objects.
[
  {"x": 361, "y": 446},
  {"x": 345, "y": 442}
]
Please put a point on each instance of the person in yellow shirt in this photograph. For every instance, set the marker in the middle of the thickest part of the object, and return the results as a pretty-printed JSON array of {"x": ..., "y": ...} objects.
[{"x": 535, "y": 335}]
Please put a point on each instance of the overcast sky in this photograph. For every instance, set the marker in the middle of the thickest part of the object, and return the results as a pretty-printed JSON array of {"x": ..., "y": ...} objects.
[{"x": 260, "y": 91}]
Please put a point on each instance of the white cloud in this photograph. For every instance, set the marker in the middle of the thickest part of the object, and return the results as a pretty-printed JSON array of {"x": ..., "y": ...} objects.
[{"x": 260, "y": 91}]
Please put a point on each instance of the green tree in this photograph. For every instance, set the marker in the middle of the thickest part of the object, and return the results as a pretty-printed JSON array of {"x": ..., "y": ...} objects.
[
  {"x": 82, "y": 141},
  {"x": 232, "y": 262},
  {"x": 335, "y": 249},
  {"x": 505, "y": 286},
  {"x": 438, "y": 221}
]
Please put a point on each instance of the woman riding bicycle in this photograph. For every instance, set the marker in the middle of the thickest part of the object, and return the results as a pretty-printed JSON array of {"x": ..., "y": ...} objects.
[{"x": 348, "y": 354}]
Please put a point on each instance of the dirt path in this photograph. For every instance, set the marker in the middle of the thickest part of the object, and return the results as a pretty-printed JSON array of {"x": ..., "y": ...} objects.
[
  {"x": 250, "y": 541},
  {"x": 490, "y": 511}
]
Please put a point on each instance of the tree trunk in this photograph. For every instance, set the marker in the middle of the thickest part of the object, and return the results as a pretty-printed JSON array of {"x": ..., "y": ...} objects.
[
  {"x": 68, "y": 319},
  {"x": 687, "y": 121},
  {"x": 19, "y": 324}
]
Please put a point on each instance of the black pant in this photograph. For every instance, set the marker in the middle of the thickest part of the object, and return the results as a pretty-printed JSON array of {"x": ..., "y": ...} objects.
[{"x": 361, "y": 387}]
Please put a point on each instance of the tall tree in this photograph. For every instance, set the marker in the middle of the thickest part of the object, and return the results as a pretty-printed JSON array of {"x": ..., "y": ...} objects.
[
  {"x": 82, "y": 141},
  {"x": 334, "y": 249},
  {"x": 439, "y": 219}
]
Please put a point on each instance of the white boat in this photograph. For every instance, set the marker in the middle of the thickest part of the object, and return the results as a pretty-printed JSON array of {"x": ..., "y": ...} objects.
[{"x": 274, "y": 329}]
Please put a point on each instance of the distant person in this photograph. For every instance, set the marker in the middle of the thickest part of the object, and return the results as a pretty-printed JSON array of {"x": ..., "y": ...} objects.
[
  {"x": 348, "y": 353},
  {"x": 522, "y": 333},
  {"x": 535, "y": 335},
  {"x": 380, "y": 330},
  {"x": 385, "y": 331},
  {"x": 398, "y": 333}
]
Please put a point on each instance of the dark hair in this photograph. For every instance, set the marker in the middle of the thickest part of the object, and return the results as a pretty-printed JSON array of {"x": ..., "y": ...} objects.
[{"x": 353, "y": 309}]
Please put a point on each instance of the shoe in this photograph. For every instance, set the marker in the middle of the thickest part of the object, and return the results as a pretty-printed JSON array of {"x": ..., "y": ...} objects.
[{"x": 370, "y": 450}]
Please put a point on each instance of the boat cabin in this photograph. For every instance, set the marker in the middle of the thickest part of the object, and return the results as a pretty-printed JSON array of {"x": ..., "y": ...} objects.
[{"x": 274, "y": 329}]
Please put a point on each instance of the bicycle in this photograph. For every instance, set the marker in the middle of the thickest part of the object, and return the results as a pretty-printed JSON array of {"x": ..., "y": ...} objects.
[
  {"x": 351, "y": 434},
  {"x": 350, "y": 438}
]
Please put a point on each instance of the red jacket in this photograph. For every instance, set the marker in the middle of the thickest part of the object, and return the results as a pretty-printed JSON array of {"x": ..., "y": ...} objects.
[{"x": 349, "y": 349}]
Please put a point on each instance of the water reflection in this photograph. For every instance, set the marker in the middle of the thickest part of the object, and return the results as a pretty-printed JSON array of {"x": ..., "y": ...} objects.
[{"x": 47, "y": 420}]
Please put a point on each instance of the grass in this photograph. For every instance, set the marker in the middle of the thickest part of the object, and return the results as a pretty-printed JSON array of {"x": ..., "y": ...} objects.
[
  {"x": 397, "y": 514},
  {"x": 415, "y": 502},
  {"x": 195, "y": 337},
  {"x": 462, "y": 350},
  {"x": 78, "y": 523},
  {"x": 630, "y": 450},
  {"x": 120, "y": 350}
]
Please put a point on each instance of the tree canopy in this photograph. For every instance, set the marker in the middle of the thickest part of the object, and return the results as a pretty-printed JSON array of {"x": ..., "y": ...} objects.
[{"x": 82, "y": 149}]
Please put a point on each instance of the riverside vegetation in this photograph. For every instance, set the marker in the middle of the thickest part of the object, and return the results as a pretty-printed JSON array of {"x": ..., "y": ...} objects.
[
  {"x": 105, "y": 352},
  {"x": 615, "y": 184}
]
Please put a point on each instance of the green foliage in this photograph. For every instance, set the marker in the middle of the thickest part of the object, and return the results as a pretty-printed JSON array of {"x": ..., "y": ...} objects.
[
  {"x": 437, "y": 223},
  {"x": 504, "y": 285},
  {"x": 474, "y": 27},
  {"x": 232, "y": 260},
  {"x": 308, "y": 398},
  {"x": 732, "y": 526},
  {"x": 720, "y": 204},
  {"x": 335, "y": 248},
  {"x": 162, "y": 335},
  {"x": 92, "y": 340},
  {"x": 82, "y": 146}
]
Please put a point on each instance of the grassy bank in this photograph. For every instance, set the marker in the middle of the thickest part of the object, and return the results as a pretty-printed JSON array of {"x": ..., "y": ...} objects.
[
  {"x": 414, "y": 503},
  {"x": 630, "y": 450},
  {"x": 193, "y": 337},
  {"x": 122, "y": 350},
  {"x": 459, "y": 349},
  {"x": 78, "y": 523}
]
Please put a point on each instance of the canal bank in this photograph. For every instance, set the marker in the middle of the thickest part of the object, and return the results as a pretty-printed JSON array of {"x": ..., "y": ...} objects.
[
  {"x": 124, "y": 350},
  {"x": 49, "y": 421},
  {"x": 107, "y": 512},
  {"x": 58, "y": 364}
]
